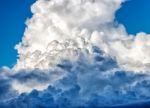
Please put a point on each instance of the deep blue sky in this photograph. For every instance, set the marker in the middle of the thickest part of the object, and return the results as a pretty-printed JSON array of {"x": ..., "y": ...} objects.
[
  {"x": 135, "y": 15},
  {"x": 13, "y": 14}
]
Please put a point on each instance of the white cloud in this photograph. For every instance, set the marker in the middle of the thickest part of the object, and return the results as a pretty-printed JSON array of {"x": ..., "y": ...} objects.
[
  {"x": 68, "y": 23},
  {"x": 60, "y": 28},
  {"x": 75, "y": 48}
]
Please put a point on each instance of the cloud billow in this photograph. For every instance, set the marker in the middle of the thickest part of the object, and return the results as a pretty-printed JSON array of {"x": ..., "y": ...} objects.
[{"x": 73, "y": 54}]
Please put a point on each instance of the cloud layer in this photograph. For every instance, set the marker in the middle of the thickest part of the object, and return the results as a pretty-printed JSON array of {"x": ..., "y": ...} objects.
[{"x": 73, "y": 54}]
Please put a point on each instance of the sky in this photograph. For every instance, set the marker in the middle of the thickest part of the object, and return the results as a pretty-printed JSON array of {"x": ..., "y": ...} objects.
[
  {"x": 13, "y": 14},
  {"x": 73, "y": 53},
  {"x": 134, "y": 14}
]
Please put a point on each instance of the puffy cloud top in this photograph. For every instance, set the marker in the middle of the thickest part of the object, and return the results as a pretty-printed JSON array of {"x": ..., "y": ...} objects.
[
  {"x": 73, "y": 54},
  {"x": 65, "y": 27},
  {"x": 60, "y": 25}
]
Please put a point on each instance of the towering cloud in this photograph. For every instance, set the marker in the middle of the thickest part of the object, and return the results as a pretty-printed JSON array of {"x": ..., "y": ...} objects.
[
  {"x": 60, "y": 26},
  {"x": 73, "y": 54},
  {"x": 64, "y": 26}
]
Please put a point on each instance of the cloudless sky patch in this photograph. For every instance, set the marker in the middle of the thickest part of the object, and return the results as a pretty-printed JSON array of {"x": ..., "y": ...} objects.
[
  {"x": 135, "y": 15},
  {"x": 13, "y": 14}
]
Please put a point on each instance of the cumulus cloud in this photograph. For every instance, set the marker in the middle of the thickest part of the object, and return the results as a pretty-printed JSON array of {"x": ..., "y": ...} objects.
[
  {"x": 62, "y": 27},
  {"x": 73, "y": 54},
  {"x": 80, "y": 87}
]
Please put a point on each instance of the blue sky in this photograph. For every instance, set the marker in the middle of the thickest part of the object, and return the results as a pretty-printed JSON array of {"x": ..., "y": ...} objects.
[
  {"x": 13, "y": 14},
  {"x": 135, "y": 15}
]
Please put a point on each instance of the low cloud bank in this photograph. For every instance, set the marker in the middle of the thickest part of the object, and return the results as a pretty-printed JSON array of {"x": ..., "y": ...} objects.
[{"x": 80, "y": 84}]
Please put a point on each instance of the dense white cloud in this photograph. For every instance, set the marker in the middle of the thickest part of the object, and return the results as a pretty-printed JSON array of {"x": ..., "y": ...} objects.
[
  {"x": 60, "y": 28},
  {"x": 86, "y": 59}
]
